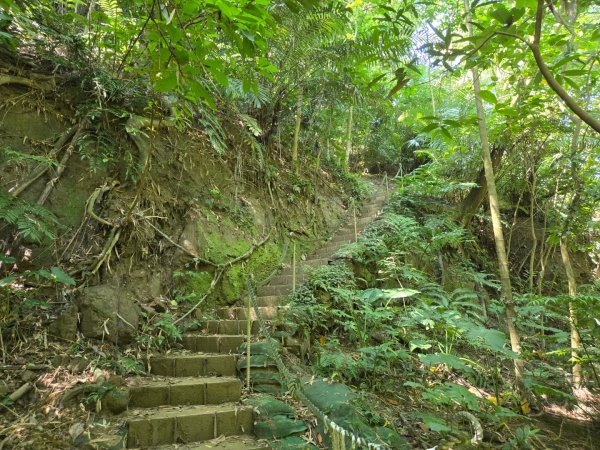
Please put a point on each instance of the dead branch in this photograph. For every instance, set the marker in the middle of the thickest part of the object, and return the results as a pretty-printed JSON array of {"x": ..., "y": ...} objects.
[{"x": 24, "y": 389}]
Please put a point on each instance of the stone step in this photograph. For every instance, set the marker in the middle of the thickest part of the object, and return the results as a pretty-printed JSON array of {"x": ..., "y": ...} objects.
[
  {"x": 372, "y": 209},
  {"x": 231, "y": 327},
  {"x": 360, "y": 221},
  {"x": 191, "y": 365},
  {"x": 221, "y": 443},
  {"x": 309, "y": 263},
  {"x": 241, "y": 313},
  {"x": 151, "y": 393},
  {"x": 219, "y": 343},
  {"x": 350, "y": 228},
  {"x": 288, "y": 279},
  {"x": 270, "y": 300},
  {"x": 273, "y": 289},
  {"x": 186, "y": 424}
]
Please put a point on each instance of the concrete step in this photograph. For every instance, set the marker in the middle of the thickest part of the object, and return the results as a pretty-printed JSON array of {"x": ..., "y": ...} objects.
[
  {"x": 281, "y": 279},
  {"x": 151, "y": 393},
  {"x": 273, "y": 289},
  {"x": 231, "y": 327},
  {"x": 219, "y": 343},
  {"x": 186, "y": 424},
  {"x": 270, "y": 300},
  {"x": 361, "y": 221},
  {"x": 241, "y": 313},
  {"x": 244, "y": 442},
  {"x": 191, "y": 365},
  {"x": 371, "y": 209}
]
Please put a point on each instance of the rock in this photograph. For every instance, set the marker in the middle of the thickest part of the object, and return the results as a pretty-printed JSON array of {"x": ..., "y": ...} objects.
[
  {"x": 65, "y": 326},
  {"x": 28, "y": 375},
  {"x": 108, "y": 313},
  {"x": 60, "y": 360},
  {"x": 116, "y": 400},
  {"x": 278, "y": 427},
  {"x": 78, "y": 364}
]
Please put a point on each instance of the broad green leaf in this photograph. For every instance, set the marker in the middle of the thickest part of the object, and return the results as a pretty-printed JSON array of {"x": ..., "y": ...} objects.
[
  {"x": 443, "y": 358},
  {"x": 7, "y": 280},
  {"x": 435, "y": 423},
  {"x": 62, "y": 277},
  {"x": 430, "y": 127},
  {"x": 165, "y": 81},
  {"x": 488, "y": 96},
  {"x": 399, "y": 293}
]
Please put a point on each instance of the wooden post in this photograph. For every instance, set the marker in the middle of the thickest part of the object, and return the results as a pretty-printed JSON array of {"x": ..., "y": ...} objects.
[
  {"x": 248, "y": 334},
  {"x": 294, "y": 268}
]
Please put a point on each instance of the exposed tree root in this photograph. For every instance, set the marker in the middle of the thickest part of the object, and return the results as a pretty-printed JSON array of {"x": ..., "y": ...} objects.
[
  {"x": 42, "y": 169},
  {"x": 62, "y": 165},
  {"x": 113, "y": 238},
  {"x": 91, "y": 203},
  {"x": 221, "y": 268},
  {"x": 475, "y": 425}
]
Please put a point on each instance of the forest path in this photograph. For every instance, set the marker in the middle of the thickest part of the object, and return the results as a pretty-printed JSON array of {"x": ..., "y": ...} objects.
[{"x": 192, "y": 396}]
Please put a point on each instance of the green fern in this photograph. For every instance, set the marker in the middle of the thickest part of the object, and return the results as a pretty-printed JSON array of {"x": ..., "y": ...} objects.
[{"x": 33, "y": 222}]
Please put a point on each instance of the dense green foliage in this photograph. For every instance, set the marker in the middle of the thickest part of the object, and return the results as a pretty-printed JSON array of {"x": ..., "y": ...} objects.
[{"x": 293, "y": 89}]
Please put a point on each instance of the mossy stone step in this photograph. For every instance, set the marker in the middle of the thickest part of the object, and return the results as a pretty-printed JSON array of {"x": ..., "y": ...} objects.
[
  {"x": 150, "y": 393},
  {"x": 218, "y": 343},
  {"x": 233, "y": 327},
  {"x": 186, "y": 424},
  {"x": 241, "y": 313},
  {"x": 271, "y": 300},
  {"x": 191, "y": 365},
  {"x": 221, "y": 443},
  {"x": 273, "y": 289}
]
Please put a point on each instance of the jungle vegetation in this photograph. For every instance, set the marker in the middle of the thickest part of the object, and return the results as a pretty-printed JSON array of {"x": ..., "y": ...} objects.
[{"x": 478, "y": 289}]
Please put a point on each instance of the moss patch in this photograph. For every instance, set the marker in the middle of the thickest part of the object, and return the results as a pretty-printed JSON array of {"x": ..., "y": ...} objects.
[{"x": 262, "y": 263}]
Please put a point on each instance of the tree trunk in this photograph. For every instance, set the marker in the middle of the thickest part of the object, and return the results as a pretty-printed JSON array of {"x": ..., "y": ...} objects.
[
  {"x": 532, "y": 226},
  {"x": 575, "y": 339},
  {"x": 346, "y": 162},
  {"x": 477, "y": 195},
  {"x": 513, "y": 333},
  {"x": 299, "y": 101}
]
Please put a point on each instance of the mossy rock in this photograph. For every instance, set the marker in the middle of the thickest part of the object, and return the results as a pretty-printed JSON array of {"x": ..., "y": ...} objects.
[
  {"x": 265, "y": 377},
  {"x": 271, "y": 389},
  {"x": 256, "y": 361},
  {"x": 291, "y": 443},
  {"x": 267, "y": 405},
  {"x": 278, "y": 427},
  {"x": 261, "y": 265},
  {"x": 259, "y": 348}
]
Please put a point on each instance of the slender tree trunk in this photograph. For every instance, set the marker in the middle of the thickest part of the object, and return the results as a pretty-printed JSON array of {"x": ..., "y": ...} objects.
[
  {"x": 532, "y": 225},
  {"x": 299, "y": 102},
  {"x": 477, "y": 195},
  {"x": 346, "y": 163},
  {"x": 511, "y": 315},
  {"x": 575, "y": 339}
]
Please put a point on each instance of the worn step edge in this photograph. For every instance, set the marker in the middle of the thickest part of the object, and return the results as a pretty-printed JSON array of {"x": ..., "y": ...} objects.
[
  {"x": 215, "y": 343},
  {"x": 149, "y": 393},
  {"x": 243, "y": 442},
  {"x": 186, "y": 424},
  {"x": 191, "y": 364}
]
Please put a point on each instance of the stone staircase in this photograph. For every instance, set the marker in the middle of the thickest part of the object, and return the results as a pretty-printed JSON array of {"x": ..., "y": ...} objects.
[
  {"x": 272, "y": 298},
  {"x": 192, "y": 398}
]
